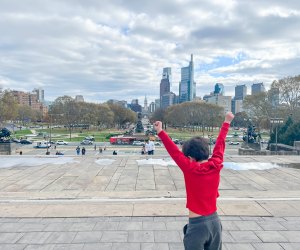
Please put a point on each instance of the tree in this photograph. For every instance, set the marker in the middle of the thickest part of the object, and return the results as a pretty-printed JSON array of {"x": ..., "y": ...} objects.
[
  {"x": 8, "y": 106},
  {"x": 292, "y": 134},
  {"x": 240, "y": 119},
  {"x": 104, "y": 116},
  {"x": 194, "y": 115},
  {"x": 258, "y": 108},
  {"x": 122, "y": 115},
  {"x": 289, "y": 90}
]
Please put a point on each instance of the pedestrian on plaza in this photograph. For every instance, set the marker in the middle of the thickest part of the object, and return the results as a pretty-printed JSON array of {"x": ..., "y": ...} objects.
[
  {"x": 149, "y": 146},
  {"x": 83, "y": 151},
  {"x": 100, "y": 150},
  {"x": 143, "y": 150},
  {"x": 78, "y": 150},
  {"x": 95, "y": 147},
  {"x": 202, "y": 178}
]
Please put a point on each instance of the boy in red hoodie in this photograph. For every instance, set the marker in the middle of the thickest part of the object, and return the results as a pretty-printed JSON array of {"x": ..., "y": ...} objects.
[{"x": 202, "y": 178}]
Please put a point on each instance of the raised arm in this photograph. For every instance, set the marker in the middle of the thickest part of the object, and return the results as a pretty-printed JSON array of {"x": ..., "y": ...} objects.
[
  {"x": 170, "y": 146},
  {"x": 218, "y": 153}
]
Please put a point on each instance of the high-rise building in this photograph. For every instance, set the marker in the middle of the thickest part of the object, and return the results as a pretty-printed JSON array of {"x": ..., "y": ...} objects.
[
  {"x": 157, "y": 104},
  {"x": 240, "y": 92},
  {"x": 219, "y": 89},
  {"x": 40, "y": 94},
  {"x": 145, "y": 104},
  {"x": 222, "y": 101},
  {"x": 168, "y": 99},
  {"x": 151, "y": 107},
  {"x": 165, "y": 83},
  {"x": 257, "y": 88},
  {"x": 167, "y": 74},
  {"x": 187, "y": 85}
]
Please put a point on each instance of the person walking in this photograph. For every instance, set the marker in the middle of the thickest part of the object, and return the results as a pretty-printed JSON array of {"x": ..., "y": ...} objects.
[
  {"x": 202, "y": 178},
  {"x": 78, "y": 150},
  {"x": 83, "y": 151}
]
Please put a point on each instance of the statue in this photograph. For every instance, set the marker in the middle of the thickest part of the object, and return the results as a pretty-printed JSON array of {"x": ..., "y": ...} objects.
[
  {"x": 139, "y": 126},
  {"x": 4, "y": 135},
  {"x": 252, "y": 139},
  {"x": 251, "y": 135}
]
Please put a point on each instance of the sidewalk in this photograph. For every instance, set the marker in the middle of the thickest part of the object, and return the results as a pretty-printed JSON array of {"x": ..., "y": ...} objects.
[{"x": 115, "y": 203}]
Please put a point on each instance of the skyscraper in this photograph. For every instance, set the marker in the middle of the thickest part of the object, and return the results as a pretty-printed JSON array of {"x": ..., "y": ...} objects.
[
  {"x": 219, "y": 89},
  {"x": 40, "y": 94},
  {"x": 240, "y": 92},
  {"x": 187, "y": 86},
  {"x": 167, "y": 74},
  {"x": 165, "y": 83},
  {"x": 257, "y": 88}
]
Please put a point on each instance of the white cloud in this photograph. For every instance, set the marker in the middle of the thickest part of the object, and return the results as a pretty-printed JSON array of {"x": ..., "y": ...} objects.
[{"x": 117, "y": 49}]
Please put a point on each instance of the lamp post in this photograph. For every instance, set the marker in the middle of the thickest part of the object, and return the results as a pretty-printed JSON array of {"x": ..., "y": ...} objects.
[
  {"x": 49, "y": 141},
  {"x": 50, "y": 134},
  {"x": 276, "y": 121}
]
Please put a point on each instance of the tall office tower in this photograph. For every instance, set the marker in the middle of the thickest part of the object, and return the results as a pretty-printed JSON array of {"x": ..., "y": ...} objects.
[
  {"x": 219, "y": 89},
  {"x": 187, "y": 86},
  {"x": 257, "y": 88},
  {"x": 40, "y": 94},
  {"x": 157, "y": 103},
  {"x": 240, "y": 92},
  {"x": 145, "y": 104},
  {"x": 165, "y": 83},
  {"x": 167, "y": 74},
  {"x": 168, "y": 99},
  {"x": 151, "y": 107}
]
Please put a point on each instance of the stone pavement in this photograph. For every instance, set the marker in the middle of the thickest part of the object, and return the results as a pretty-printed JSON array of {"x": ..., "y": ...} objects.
[
  {"x": 143, "y": 233},
  {"x": 93, "y": 203}
]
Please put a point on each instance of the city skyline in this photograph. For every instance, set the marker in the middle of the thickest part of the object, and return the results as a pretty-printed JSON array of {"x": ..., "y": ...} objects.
[{"x": 116, "y": 50}]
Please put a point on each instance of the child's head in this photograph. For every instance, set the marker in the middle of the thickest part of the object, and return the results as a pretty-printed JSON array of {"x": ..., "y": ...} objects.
[{"x": 197, "y": 148}]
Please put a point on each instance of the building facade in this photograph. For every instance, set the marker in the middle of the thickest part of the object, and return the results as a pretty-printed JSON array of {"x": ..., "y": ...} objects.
[
  {"x": 240, "y": 92},
  {"x": 187, "y": 85},
  {"x": 222, "y": 101},
  {"x": 79, "y": 98},
  {"x": 168, "y": 99},
  {"x": 257, "y": 88}
]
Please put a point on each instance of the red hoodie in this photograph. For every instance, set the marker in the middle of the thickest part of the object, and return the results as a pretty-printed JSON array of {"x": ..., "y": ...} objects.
[{"x": 201, "y": 179}]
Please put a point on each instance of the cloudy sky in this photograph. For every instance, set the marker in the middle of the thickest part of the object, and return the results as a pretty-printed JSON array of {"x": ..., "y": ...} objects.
[{"x": 116, "y": 49}]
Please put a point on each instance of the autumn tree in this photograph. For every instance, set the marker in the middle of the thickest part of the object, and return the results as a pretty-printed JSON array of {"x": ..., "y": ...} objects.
[
  {"x": 289, "y": 93},
  {"x": 8, "y": 106}
]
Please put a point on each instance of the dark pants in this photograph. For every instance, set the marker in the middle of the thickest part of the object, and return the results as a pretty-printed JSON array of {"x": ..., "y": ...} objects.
[
  {"x": 151, "y": 152},
  {"x": 203, "y": 233}
]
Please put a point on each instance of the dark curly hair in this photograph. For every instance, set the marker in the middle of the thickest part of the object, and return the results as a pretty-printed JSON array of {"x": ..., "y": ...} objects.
[{"x": 197, "y": 148}]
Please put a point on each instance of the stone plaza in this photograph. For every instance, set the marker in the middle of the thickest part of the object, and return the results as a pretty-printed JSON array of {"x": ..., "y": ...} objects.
[{"x": 130, "y": 201}]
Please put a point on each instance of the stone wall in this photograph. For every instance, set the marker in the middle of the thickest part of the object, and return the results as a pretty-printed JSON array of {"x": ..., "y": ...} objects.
[{"x": 6, "y": 148}]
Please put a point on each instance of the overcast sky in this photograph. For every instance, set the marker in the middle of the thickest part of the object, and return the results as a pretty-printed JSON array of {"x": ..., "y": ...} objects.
[{"x": 116, "y": 49}]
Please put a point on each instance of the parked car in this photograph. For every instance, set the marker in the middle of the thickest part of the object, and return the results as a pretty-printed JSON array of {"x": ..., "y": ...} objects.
[
  {"x": 138, "y": 143},
  {"x": 61, "y": 142},
  {"x": 86, "y": 142},
  {"x": 16, "y": 140},
  {"x": 234, "y": 143},
  {"x": 90, "y": 138},
  {"x": 157, "y": 143},
  {"x": 24, "y": 141}
]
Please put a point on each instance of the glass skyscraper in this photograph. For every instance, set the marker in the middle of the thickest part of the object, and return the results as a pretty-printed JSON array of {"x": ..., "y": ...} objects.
[{"x": 187, "y": 85}]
